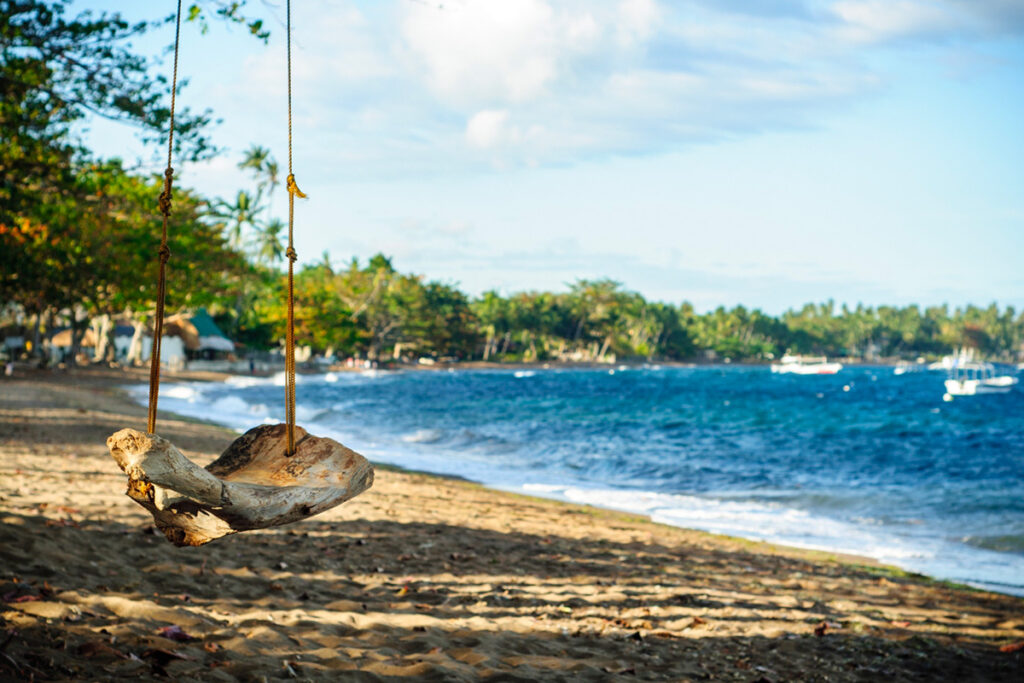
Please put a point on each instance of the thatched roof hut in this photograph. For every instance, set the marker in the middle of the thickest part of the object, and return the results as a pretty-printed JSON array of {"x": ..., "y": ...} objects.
[
  {"x": 198, "y": 331},
  {"x": 63, "y": 338}
]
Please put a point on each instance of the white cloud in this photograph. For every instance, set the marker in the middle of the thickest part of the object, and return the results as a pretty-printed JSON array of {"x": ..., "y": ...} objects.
[
  {"x": 872, "y": 21},
  {"x": 485, "y": 51},
  {"x": 875, "y": 20},
  {"x": 636, "y": 20},
  {"x": 487, "y": 128},
  {"x": 410, "y": 87}
]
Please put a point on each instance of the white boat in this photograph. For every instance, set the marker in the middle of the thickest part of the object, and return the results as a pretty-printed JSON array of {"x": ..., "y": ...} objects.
[
  {"x": 806, "y": 365},
  {"x": 961, "y": 354},
  {"x": 969, "y": 378}
]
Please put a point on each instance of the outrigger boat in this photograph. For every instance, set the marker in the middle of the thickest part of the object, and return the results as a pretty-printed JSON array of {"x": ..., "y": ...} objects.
[
  {"x": 806, "y": 365},
  {"x": 969, "y": 378}
]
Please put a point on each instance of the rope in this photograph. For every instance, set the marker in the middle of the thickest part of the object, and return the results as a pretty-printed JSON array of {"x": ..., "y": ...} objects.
[
  {"x": 164, "y": 252},
  {"x": 293, "y": 192}
]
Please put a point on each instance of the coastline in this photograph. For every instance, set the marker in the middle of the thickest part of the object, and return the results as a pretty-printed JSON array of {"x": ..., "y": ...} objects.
[
  {"x": 426, "y": 575},
  {"x": 424, "y": 446}
]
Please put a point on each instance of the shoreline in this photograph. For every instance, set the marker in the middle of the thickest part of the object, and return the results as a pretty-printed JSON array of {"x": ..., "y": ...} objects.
[
  {"x": 426, "y": 575},
  {"x": 708, "y": 513}
]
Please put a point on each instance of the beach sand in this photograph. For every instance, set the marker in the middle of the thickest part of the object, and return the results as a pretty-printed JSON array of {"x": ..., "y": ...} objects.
[{"x": 429, "y": 578}]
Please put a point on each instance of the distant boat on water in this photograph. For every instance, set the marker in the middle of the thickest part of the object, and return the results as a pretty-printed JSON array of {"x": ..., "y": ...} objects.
[
  {"x": 806, "y": 365},
  {"x": 968, "y": 377}
]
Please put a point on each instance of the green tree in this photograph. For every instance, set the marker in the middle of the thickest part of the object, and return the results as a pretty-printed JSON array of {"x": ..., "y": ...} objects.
[
  {"x": 269, "y": 247},
  {"x": 491, "y": 311},
  {"x": 58, "y": 69}
]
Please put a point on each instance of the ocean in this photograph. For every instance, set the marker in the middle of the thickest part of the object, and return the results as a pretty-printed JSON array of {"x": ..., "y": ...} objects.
[{"x": 861, "y": 462}]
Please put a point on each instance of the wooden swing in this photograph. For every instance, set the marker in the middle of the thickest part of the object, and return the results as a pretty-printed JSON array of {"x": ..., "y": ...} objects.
[{"x": 270, "y": 475}]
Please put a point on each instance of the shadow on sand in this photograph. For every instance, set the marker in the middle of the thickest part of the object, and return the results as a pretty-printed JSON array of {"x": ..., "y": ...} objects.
[{"x": 377, "y": 600}]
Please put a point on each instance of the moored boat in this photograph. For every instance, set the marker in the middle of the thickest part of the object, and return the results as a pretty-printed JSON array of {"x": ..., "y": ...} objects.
[
  {"x": 806, "y": 365},
  {"x": 970, "y": 378}
]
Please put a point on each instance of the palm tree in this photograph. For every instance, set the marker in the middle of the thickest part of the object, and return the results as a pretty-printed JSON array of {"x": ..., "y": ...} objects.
[
  {"x": 255, "y": 159},
  {"x": 236, "y": 216},
  {"x": 269, "y": 248},
  {"x": 271, "y": 174},
  {"x": 264, "y": 168}
]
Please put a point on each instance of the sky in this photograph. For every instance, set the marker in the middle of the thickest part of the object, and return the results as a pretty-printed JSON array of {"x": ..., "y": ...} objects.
[{"x": 758, "y": 152}]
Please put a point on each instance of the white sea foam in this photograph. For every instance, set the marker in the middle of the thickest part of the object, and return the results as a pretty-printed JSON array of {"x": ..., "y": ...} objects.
[
  {"x": 423, "y": 436},
  {"x": 523, "y": 373},
  {"x": 798, "y": 528},
  {"x": 543, "y": 488},
  {"x": 306, "y": 414},
  {"x": 231, "y": 405},
  {"x": 179, "y": 391},
  {"x": 243, "y": 381}
]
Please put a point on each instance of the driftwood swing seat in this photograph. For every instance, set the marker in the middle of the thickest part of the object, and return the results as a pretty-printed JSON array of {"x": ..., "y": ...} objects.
[
  {"x": 272, "y": 474},
  {"x": 254, "y": 484}
]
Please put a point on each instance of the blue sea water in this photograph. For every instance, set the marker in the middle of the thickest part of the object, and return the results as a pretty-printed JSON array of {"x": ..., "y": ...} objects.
[{"x": 862, "y": 462}]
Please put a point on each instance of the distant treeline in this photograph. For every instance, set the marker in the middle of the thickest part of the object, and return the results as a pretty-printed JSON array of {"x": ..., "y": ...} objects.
[
  {"x": 373, "y": 311},
  {"x": 86, "y": 257}
]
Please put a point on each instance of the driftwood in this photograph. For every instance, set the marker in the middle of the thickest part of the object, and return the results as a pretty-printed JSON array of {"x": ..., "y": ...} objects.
[{"x": 252, "y": 485}]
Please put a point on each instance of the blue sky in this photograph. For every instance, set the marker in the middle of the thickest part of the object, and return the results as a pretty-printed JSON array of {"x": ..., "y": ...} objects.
[{"x": 763, "y": 152}]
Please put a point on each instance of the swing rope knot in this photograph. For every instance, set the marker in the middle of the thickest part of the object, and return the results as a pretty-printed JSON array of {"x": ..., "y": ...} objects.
[
  {"x": 292, "y": 187},
  {"x": 165, "y": 197},
  {"x": 164, "y": 252},
  {"x": 292, "y": 255},
  {"x": 165, "y": 201}
]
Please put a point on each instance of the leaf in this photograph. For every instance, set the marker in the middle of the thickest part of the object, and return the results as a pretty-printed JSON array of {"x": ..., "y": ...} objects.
[{"x": 1013, "y": 647}]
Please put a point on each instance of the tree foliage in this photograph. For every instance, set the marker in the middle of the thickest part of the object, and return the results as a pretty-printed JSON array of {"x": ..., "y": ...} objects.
[{"x": 374, "y": 311}]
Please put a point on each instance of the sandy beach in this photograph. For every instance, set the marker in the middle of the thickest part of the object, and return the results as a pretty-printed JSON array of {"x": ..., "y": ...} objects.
[{"x": 429, "y": 578}]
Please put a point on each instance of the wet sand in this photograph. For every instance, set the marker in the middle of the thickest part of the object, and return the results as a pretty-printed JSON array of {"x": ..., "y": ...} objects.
[{"x": 430, "y": 578}]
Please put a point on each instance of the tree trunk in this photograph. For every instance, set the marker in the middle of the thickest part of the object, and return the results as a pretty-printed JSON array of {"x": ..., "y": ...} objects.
[
  {"x": 134, "y": 356},
  {"x": 487, "y": 344},
  {"x": 103, "y": 332},
  {"x": 76, "y": 336},
  {"x": 111, "y": 354},
  {"x": 579, "y": 329},
  {"x": 49, "y": 333},
  {"x": 37, "y": 349}
]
